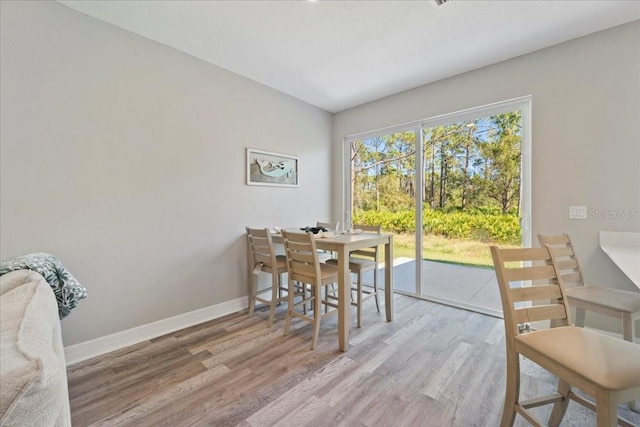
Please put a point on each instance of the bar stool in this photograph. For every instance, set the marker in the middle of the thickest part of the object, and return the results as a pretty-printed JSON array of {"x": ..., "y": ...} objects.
[{"x": 266, "y": 260}]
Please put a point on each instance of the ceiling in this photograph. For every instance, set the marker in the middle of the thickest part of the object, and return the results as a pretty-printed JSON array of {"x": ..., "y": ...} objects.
[{"x": 339, "y": 54}]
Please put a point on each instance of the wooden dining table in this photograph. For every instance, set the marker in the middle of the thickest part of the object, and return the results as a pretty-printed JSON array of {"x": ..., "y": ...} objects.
[{"x": 342, "y": 245}]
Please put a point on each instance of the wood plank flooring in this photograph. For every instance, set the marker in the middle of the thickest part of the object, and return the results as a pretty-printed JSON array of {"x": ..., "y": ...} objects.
[{"x": 432, "y": 366}]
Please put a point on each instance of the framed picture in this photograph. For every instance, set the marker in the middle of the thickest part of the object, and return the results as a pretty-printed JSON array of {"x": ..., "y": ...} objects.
[{"x": 267, "y": 168}]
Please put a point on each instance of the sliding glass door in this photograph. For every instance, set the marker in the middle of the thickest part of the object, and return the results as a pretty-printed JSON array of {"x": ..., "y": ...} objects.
[{"x": 447, "y": 188}]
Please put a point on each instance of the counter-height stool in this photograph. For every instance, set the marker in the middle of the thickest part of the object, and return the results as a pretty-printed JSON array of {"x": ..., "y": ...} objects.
[
  {"x": 604, "y": 367},
  {"x": 616, "y": 303},
  {"x": 360, "y": 262},
  {"x": 305, "y": 268},
  {"x": 623, "y": 305},
  {"x": 266, "y": 260}
]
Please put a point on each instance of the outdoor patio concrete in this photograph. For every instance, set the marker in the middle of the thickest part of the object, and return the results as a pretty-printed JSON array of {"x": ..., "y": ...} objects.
[{"x": 465, "y": 286}]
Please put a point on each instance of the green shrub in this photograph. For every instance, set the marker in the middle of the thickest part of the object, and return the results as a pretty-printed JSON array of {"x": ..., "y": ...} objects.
[{"x": 476, "y": 225}]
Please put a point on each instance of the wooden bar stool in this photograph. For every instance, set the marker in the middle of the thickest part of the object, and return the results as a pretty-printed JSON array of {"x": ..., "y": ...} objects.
[
  {"x": 304, "y": 267},
  {"x": 622, "y": 305},
  {"x": 266, "y": 260},
  {"x": 360, "y": 262},
  {"x": 604, "y": 367}
]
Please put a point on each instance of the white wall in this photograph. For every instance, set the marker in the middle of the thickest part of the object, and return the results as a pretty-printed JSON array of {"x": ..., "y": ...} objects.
[
  {"x": 586, "y": 133},
  {"x": 126, "y": 159}
]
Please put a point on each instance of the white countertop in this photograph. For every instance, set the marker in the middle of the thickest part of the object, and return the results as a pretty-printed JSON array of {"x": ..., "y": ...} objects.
[{"x": 624, "y": 250}]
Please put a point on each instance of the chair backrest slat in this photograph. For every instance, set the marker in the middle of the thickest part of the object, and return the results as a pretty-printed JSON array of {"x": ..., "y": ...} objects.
[
  {"x": 570, "y": 278},
  {"x": 561, "y": 251},
  {"x": 554, "y": 240},
  {"x": 564, "y": 256},
  {"x": 566, "y": 264},
  {"x": 536, "y": 293},
  {"x": 301, "y": 248},
  {"x": 541, "y": 312},
  {"x": 368, "y": 228},
  {"x": 265, "y": 259},
  {"x": 302, "y": 272},
  {"x": 300, "y": 256},
  {"x": 372, "y": 252},
  {"x": 524, "y": 254},
  {"x": 328, "y": 225},
  {"x": 529, "y": 273}
]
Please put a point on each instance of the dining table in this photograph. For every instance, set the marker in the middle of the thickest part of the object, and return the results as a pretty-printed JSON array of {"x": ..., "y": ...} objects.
[{"x": 341, "y": 244}]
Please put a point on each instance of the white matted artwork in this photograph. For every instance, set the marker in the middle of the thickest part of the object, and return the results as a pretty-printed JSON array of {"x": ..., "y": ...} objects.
[{"x": 267, "y": 168}]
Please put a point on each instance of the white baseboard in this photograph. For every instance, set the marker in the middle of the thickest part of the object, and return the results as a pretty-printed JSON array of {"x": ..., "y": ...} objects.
[{"x": 85, "y": 350}]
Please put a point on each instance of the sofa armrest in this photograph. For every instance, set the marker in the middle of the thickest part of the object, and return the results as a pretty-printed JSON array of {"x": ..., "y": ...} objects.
[{"x": 33, "y": 378}]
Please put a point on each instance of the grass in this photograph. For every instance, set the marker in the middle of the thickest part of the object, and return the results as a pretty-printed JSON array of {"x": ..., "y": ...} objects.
[{"x": 438, "y": 248}]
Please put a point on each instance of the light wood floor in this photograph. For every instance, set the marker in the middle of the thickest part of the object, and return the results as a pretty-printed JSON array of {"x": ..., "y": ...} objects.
[{"x": 432, "y": 366}]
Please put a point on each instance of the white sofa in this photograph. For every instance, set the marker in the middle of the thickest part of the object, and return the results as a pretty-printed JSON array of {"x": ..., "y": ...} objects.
[{"x": 33, "y": 375}]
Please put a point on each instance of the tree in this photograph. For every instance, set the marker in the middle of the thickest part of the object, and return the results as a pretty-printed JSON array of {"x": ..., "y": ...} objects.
[
  {"x": 502, "y": 157},
  {"x": 379, "y": 159},
  {"x": 469, "y": 164}
]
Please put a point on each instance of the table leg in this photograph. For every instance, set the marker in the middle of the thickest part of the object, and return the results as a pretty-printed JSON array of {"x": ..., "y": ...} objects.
[
  {"x": 344, "y": 299},
  {"x": 388, "y": 279}
]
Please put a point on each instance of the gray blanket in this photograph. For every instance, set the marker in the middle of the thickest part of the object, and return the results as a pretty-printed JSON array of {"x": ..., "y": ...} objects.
[{"x": 65, "y": 287}]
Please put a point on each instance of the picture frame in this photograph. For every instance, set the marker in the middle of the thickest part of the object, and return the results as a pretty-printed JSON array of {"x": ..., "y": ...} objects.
[{"x": 271, "y": 169}]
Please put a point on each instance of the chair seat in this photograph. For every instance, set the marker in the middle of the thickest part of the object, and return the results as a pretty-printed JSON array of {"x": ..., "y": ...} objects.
[
  {"x": 617, "y": 299},
  {"x": 281, "y": 262},
  {"x": 355, "y": 264},
  {"x": 327, "y": 273},
  {"x": 609, "y": 362}
]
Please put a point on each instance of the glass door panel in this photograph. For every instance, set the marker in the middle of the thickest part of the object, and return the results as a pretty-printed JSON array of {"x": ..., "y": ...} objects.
[
  {"x": 383, "y": 191},
  {"x": 472, "y": 191}
]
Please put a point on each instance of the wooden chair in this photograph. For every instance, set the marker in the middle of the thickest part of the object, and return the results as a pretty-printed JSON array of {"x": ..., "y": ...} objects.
[
  {"x": 360, "y": 262},
  {"x": 305, "y": 268},
  {"x": 622, "y": 305},
  {"x": 604, "y": 367},
  {"x": 266, "y": 260}
]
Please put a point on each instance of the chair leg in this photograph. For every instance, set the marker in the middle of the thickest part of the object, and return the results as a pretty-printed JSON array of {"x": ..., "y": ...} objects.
[
  {"x": 580, "y": 316},
  {"x": 287, "y": 322},
  {"x": 628, "y": 334},
  {"x": 351, "y": 286},
  {"x": 375, "y": 287},
  {"x": 326, "y": 297},
  {"x": 317, "y": 300},
  {"x": 627, "y": 327},
  {"x": 252, "y": 294},
  {"x": 303, "y": 287},
  {"x": 359, "y": 299},
  {"x": 560, "y": 406},
  {"x": 512, "y": 391},
  {"x": 312, "y": 294},
  {"x": 606, "y": 410},
  {"x": 274, "y": 298}
]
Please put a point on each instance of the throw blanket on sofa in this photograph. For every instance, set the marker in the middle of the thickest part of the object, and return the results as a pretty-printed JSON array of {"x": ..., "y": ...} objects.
[{"x": 65, "y": 287}]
